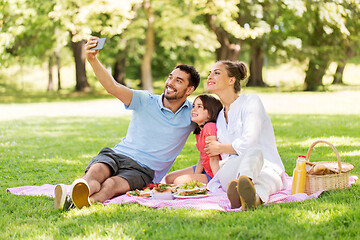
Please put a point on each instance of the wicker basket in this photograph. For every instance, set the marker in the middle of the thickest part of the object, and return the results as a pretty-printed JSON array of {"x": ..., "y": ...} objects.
[{"x": 315, "y": 183}]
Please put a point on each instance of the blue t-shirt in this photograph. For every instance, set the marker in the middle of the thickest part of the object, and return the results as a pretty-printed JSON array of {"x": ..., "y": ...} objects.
[{"x": 155, "y": 135}]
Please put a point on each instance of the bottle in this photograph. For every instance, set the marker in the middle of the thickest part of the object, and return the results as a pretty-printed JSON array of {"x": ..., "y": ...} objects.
[{"x": 299, "y": 176}]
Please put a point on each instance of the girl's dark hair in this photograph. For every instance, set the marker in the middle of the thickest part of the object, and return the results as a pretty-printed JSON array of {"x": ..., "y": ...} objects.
[
  {"x": 212, "y": 105},
  {"x": 237, "y": 70}
]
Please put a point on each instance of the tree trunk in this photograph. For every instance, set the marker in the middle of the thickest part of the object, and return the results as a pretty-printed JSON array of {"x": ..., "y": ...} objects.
[
  {"x": 146, "y": 75},
  {"x": 50, "y": 68},
  {"x": 314, "y": 75},
  {"x": 338, "y": 77},
  {"x": 79, "y": 55},
  {"x": 119, "y": 67},
  {"x": 256, "y": 66},
  {"x": 227, "y": 51},
  {"x": 58, "y": 64}
]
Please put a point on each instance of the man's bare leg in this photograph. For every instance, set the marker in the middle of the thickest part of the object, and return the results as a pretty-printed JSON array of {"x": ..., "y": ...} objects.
[
  {"x": 111, "y": 187},
  {"x": 96, "y": 175},
  {"x": 90, "y": 183}
]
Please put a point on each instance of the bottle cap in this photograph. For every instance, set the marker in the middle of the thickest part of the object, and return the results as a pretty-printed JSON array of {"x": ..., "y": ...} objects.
[{"x": 301, "y": 156}]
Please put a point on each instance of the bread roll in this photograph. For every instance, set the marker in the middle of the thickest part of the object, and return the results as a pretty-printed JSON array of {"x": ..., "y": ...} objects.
[{"x": 319, "y": 169}]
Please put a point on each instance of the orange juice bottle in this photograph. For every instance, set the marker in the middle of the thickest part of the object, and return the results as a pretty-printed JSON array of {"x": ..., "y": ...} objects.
[{"x": 299, "y": 176}]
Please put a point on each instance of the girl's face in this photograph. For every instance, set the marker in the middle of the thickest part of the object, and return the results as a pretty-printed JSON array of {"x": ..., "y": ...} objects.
[
  {"x": 218, "y": 79},
  {"x": 199, "y": 115}
]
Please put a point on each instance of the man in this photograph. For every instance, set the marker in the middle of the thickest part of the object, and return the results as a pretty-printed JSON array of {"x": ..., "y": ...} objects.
[{"x": 158, "y": 130}]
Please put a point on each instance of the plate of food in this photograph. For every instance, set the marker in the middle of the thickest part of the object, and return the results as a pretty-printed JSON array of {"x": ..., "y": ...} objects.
[
  {"x": 154, "y": 190},
  {"x": 139, "y": 193},
  {"x": 193, "y": 189},
  {"x": 163, "y": 192},
  {"x": 191, "y": 196}
]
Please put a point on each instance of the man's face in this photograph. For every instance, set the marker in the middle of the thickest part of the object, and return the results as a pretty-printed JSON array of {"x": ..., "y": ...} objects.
[{"x": 177, "y": 85}]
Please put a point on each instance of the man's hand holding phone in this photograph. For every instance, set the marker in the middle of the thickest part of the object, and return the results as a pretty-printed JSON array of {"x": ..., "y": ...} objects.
[
  {"x": 93, "y": 46},
  {"x": 100, "y": 44}
]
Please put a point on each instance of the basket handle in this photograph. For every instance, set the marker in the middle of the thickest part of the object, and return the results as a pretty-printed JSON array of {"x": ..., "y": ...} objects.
[{"x": 333, "y": 148}]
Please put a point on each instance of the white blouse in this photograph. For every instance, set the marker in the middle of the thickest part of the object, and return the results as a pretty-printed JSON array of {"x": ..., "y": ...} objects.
[{"x": 249, "y": 126}]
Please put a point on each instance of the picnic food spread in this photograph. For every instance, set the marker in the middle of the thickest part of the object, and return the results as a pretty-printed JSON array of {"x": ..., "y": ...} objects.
[
  {"x": 169, "y": 191},
  {"x": 326, "y": 175},
  {"x": 192, "y": 188},
  {"x": 152, "y": 188}
]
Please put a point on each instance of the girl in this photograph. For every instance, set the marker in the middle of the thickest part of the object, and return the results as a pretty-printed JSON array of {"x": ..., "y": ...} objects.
[
  {"x": 204, "y": 113},
  {"x": 252, "y": 168}
]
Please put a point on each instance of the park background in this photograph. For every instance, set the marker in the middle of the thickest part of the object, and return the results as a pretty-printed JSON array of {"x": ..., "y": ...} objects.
[{"x": 304, "y": 63}]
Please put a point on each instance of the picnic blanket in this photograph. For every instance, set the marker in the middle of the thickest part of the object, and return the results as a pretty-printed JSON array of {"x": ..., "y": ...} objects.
[{"x": 215, "y": 200}]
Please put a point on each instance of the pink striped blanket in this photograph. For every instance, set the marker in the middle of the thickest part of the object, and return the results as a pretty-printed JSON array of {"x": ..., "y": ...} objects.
[{"x": 215, "y": 200}]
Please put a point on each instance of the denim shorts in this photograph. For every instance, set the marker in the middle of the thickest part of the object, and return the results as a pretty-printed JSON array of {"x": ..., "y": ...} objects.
[
  {"x": 203, "y": 172},
  {"x": 125, "y": 167}
]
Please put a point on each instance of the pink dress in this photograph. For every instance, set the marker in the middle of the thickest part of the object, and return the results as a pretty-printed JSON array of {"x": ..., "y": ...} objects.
[{"x": 209, "y": 129}]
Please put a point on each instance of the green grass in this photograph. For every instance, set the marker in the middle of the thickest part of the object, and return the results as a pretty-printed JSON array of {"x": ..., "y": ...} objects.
[{"x": 36, "y": 151}]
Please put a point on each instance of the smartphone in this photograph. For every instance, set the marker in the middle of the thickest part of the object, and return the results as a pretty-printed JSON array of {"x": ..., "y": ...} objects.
[{"x": 100, "y": 44}]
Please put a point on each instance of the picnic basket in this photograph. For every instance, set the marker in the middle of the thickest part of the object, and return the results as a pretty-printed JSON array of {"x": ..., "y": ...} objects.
[{"x": 339, "y": 179}]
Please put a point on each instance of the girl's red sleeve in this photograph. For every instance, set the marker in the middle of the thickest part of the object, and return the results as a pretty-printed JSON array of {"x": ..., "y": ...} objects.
[{"x": 210, "y": 129}]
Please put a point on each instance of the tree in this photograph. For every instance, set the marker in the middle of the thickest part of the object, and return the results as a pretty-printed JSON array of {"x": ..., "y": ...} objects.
[
  {"x": 338, "y": 76},
  {"x": 350, "y": 43},
  {"x": 28, "y": 32},
  {"x": 242, "y": 22},
  {"x": 178, "y": 38},
  {"x": 146, "y": 75},
  {"x": 50, "y": 67},
  {"x": 227, "y": 26},
  {"x": 263, "y": 16},
  {"x": 181, "y": 37},
  {"x": 80, "y": 71},
  {"x": 81, "y": 18},
  {"x": 320, "y": 26}
]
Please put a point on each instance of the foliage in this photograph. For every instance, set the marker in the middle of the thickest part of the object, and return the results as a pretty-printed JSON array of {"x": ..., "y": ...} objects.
[
  {"x": 310, "y": 31},
  {"x": 320, "y": 32},
  {"x": 180, "y": 37},
  {"x": 81, "y": 18},
  {"x": 27, "y": 32}
]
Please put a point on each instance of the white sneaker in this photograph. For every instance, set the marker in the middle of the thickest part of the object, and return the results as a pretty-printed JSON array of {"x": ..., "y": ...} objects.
[
  {"x": 62, "y": 199},
  {"x": 80, "y": 192}
]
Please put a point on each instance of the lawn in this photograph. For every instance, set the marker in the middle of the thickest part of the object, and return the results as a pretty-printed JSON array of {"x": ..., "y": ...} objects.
[{"x": 40, "y": 150}]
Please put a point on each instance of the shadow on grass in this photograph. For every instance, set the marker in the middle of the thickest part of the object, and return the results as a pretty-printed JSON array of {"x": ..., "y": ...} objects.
[
  {"x": 333, "y": 214},
  {"x": 53, "y": 150}
]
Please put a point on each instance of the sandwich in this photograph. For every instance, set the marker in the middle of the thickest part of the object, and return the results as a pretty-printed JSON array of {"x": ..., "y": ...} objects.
[
  {"x": 192, "y": 188},
  {"x": 140, "y": 193}
]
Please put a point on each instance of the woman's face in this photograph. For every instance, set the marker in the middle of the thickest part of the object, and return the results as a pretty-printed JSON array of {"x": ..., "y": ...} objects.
[
  {"x": 199, "y": 115},
  {"x": 218, "y": 79}
]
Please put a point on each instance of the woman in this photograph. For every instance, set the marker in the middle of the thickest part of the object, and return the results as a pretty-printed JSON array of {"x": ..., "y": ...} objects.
[{"x": 251, "y": 169}]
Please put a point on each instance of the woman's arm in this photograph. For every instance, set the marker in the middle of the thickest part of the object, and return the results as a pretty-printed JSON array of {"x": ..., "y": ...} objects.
[{"x": 213, "y": 148}]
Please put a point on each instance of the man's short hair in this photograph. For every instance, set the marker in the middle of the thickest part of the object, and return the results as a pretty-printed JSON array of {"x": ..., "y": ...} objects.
[{"x": 194, "y": 79}]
